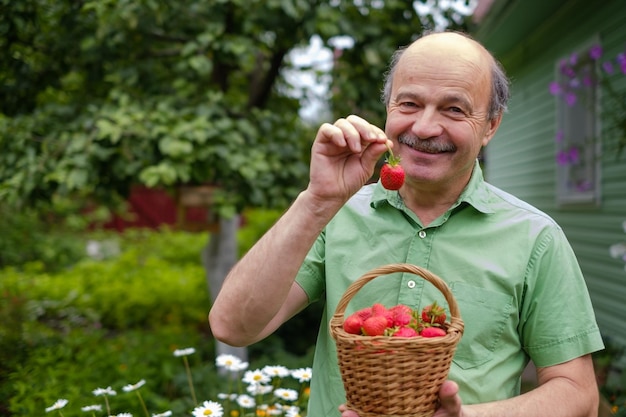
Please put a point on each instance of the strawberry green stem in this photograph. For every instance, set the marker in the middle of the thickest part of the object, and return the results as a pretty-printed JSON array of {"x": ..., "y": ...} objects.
[{"x": 392, "y": 159}]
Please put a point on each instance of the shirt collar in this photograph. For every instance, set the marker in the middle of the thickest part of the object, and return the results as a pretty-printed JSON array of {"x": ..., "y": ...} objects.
[{"x": 475, "y": 193}]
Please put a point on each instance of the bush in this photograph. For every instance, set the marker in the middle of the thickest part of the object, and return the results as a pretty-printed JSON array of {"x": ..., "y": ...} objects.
[{"x": 112, "y": 322}]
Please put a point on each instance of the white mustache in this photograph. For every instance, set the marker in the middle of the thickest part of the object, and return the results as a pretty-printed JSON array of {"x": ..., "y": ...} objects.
[{"x": 425, "y": 145}]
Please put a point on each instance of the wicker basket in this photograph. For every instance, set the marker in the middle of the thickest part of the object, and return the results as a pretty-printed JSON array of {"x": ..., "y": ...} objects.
[{"x": 394, "y": 376}]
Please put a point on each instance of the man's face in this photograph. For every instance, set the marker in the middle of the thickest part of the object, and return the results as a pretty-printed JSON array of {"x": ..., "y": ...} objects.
[{"x": 437, "y": 114}]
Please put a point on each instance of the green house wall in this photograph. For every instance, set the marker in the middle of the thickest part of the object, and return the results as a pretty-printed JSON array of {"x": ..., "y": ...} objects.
[{"x": 521, "y": 157}]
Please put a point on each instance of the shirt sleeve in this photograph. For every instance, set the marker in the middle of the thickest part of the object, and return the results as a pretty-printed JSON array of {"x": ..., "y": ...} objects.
[
  {"x": 557, "y": 320},
  {"x": 311, "y": 274}
]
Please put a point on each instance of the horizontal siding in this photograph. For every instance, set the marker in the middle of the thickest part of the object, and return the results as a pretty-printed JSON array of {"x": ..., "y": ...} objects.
[{"x": 521, "y": 157}]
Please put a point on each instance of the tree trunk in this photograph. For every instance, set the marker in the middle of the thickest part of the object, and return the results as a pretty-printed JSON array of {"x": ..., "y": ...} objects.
[{"x": 218, "y": 257}]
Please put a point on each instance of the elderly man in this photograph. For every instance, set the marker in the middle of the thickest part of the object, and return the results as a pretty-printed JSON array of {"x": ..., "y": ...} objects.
[{"x": 517, "y": 282}]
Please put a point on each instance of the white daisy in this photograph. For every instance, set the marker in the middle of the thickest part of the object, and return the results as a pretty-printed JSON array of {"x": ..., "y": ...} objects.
[
  {"x": 286, "y": 394},
  {"x": 276, "y": 371},
  {"x": 302, "y": 374},
  {"x": 95, "y": 407},
  {"x": 57, "y": 405},
  {"x": 104, "y": 391},
  {"x": 293, "y": 412},
  {"x": 224, "y": 396},
  {"x": 130, "y": 387},
  {"x": 184, "y": 352},
  {"x": 246, "y": 401},
  {"x": 124, "y": 415},
  {"x": 209, "y": 408},
  {"x": 255, "y": 377},
  {"x": 230, "y": 362},
  {"x": 259, "y": 389},
  {"x": 275, "y": 410},
  {"x": 164, "y": 414}
]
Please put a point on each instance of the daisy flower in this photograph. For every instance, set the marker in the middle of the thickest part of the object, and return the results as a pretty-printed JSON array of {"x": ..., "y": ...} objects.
[
  {"x": 124, "y": 415},
  {"x": 275, "y": 410},
  {"x": 246, "y": 401},
  {"x": 130, "y": 387},
  {"x": 209, "y": 408},
  {"x": 104, "y": 391},
  {"x": 164, "y": 414},
  {"x": 302, "y": 374},
  {"x": 225, "y": 396},
  {"x": 276, "y": 371},
  {"x": 184, "y": 352},
  {"x": 286, "y": 394},
  {"x": 255, "y": 377},
  {"x": 95, "y": 407},
  {"x": 57, "y": 405},
  {"x": 259, "y": 389},
  {"x": 293, "y": 412},
  {"x": 230, "y": 363}
]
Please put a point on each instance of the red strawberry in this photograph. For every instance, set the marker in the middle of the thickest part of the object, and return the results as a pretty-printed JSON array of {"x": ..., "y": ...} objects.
[
  {"x": 402, "y": 315},
  {"x": 392, "y": 176},
  {"x": 405, "y": 332},
  {"x": 432, "y": 332},
  {"x": 364, "y": 313},
  {"x": 392, "y": 173},
  {"x": 375, "y": 326},
  {"x": 352, "y": 324},
  {"x": 380, "y": 310},
  {"x": 434, "y": 314}
]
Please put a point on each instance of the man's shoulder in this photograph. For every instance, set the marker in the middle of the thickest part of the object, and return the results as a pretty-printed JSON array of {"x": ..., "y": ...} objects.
[{"x": 506, "y": 202}]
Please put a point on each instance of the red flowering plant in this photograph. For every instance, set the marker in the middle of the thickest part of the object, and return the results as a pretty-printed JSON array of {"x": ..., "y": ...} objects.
[{"x": 580, "y": 78}]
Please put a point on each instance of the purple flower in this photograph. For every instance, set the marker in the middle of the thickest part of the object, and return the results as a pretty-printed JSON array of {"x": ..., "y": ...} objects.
[
  {"x": 608, "y": 67},
  {"x": 595, "y": 52},
  {"x": 587, "y": 81},
  {"x": 621, "y": 60},
  {"x": 570, "y": 98},
  {"x": 562, "y": 158},
  {"x": 573, "y": 59},
  {"x": 555, "y": 88}
]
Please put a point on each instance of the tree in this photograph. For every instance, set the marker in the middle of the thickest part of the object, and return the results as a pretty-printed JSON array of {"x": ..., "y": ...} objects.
[{"x": 99, "y": 95}]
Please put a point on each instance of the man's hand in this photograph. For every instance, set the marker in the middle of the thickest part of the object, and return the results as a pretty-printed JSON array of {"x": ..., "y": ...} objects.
[
  {"x": 448, "y": 397},
  {"x": 343, "y": 158},
  {"x": 450, "y": 402}
]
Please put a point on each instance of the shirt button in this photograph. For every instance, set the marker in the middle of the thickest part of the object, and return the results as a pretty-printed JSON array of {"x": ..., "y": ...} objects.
[
  {"x": 422, "y": 234},
  {"x": 411, "y": 284}
]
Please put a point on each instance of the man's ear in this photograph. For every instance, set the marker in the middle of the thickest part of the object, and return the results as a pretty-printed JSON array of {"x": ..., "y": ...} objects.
[{"x": 492, "y": 127}]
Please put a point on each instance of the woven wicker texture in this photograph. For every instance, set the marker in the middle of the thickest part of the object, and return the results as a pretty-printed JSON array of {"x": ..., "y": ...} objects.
[{"x": 394, "y": 376}]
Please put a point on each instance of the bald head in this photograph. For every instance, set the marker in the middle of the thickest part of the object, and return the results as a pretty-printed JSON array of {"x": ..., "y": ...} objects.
[{"x": 443, "y": 47}]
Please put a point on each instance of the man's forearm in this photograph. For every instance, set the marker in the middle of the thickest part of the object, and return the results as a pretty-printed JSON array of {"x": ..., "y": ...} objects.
[
  {"x": 559, "y": 397},
  {"x": 258, "y": 285}
]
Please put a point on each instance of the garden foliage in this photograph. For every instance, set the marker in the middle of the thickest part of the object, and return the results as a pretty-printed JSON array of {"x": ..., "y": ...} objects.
[{"x": 115, "y": 321}]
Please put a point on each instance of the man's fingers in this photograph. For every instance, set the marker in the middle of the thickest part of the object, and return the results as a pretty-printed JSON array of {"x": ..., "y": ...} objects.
[
  {"x": 347, "y": 413},
  {"x": 353, "y": 132},
  {"x": 449, "y": 398}
]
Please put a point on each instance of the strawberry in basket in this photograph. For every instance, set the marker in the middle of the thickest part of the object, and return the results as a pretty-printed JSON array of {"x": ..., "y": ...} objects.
[{"x": 399, "y": 321}]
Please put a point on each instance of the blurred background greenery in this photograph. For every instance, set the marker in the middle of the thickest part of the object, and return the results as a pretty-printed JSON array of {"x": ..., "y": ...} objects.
[{"x": 84, "y": 323}]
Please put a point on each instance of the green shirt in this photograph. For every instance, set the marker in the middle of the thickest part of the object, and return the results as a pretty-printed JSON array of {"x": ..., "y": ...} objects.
[{"x": 516, "y": 280}]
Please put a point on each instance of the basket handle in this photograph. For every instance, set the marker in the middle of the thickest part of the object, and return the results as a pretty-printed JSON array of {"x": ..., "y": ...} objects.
[{"x": 399, "y": 267}]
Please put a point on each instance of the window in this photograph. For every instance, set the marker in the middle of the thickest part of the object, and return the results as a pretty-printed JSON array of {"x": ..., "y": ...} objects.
[{"x": 578, "y": 127}]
